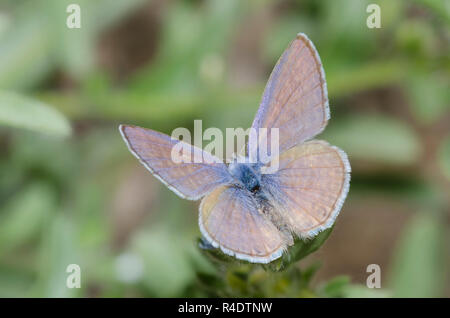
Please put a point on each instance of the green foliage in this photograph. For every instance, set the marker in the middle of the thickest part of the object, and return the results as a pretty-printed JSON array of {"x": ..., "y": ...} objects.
[
  {"x": 34, "y": 43},
  {"x": 444, "y": 157},
  {"x": 22, "y": 112},
  {"x": 429, "y": 97},
  {"x": 170, "y": 262},
  {"x": 25, "y": 215},
  {"x": 86, "y": 200},
  {"x": 375, "y": 138},
  {"x": 300, "y": 250},
  {"x": 418, "y": 264}
]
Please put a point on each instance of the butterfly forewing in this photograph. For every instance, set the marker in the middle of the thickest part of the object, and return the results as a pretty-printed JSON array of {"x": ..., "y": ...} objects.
[
  {"x": 310, "y": 186},
  {"x": 190, "y": 180},
  {"x": 295, "y": 98},
  {"x": 229, "y": 219}
]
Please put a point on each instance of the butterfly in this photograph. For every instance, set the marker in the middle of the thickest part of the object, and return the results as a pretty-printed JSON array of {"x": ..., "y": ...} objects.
[{"x": 248, "y": 214}]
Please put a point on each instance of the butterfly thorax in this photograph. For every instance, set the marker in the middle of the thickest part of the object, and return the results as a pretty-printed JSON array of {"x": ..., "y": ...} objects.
[{"x": 246, "y": 175}]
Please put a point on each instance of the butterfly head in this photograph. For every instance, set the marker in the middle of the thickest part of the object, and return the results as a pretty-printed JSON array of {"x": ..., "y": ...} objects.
[{"x": 246, "y": 175}]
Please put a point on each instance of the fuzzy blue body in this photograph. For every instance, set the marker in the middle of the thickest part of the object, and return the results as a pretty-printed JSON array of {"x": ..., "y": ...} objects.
[{"x": 247, "y": 175}]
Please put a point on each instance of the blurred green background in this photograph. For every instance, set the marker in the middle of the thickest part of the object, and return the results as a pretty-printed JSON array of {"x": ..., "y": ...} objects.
[{"x": 70, "y": 191}]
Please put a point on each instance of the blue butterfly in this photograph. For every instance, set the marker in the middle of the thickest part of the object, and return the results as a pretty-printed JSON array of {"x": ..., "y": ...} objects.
[{"x": 248, "y": 214}]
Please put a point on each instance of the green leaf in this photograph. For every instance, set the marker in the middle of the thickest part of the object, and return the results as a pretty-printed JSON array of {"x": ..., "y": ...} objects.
[
  {"x": 23, "y": 112},
  {"x": 335, "y": 287},
  {"x": 58, "y": 250},
  {"x": 416, "y": 38},
  {"x": 345, "y": 81},
  {"x": 300, "y": 250},
  {"x": 24, "y": 215},
  {"x": 429, "y": 96},
  {"x": 418, "y": 265},
  {"x": 168, "y": 269},
  {"x": 25, "y": 57},
  {"x": 375, "y": 138},
  {"x": 14, "y": 281},
  {"x": 309, "y": 272}
]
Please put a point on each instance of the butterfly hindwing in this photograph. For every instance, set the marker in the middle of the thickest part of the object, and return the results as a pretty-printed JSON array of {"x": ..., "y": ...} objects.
[
  {"x": 229, "y": 219},
  {"x": 310, "y": 186}
]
